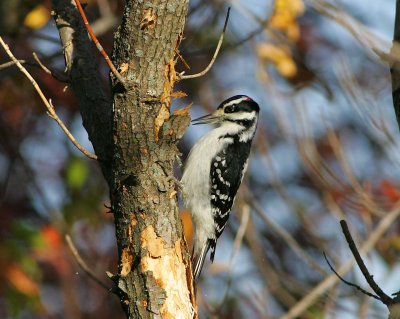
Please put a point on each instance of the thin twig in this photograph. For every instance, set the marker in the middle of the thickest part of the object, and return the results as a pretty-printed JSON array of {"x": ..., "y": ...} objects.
[
  {"x": 50, "y": 108},
  {"x": 348, "y": 282},
  {"x": 370, "y": 280},
  {"x": 233, "y": 45},
  {"x": 9, "y": 63},
  {"x": 209, "y": 66},
  {"x": 313, "y": 295},
  {"x": 45, "y": 69},
  {"x": 97, "y": 43},
  {"x": 182, "y": 59},
  {"x": 37, "y": 64},
  {"x": 12, "y": 63},
  {"x": 83, "y": 265}
]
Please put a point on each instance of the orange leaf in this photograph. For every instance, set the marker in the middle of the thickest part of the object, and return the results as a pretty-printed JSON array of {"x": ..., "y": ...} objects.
[
  {"x": 21, "y": 281},
  {"x": 284, "y": 17},
  {"x": 390, "y": 191},
  {"x": 279, "y": 56},
  {"x": 187, "y": 227},
  {"x": 287, "y": 67},
  {"x": 51, "y": 236}
]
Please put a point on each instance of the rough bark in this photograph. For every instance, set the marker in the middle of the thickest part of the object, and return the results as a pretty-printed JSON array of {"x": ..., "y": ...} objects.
[
  {"x": 136, "y": 142},
  {"x": 153, "y": 257},
  {"x": 95, "y": 107}
]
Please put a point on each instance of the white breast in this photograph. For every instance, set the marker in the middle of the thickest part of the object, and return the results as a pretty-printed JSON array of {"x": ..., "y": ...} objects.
[{"x": 196, "y": 181}]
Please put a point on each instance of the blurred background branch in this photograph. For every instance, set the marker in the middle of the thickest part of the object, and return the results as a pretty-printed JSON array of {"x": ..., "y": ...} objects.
[{"x": 327, "y": 149}]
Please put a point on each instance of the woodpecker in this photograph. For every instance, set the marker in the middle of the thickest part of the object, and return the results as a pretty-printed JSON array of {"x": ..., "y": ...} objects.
[{"x": 214, "y": 171}]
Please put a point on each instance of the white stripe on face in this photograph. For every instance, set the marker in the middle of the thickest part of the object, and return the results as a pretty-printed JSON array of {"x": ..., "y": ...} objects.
[
  {"x": 237, "y": 101},
  {"x": 241, "y": 115}
]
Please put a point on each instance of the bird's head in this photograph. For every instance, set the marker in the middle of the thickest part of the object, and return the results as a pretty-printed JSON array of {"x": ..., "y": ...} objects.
[{"x": 239, "y": 109}]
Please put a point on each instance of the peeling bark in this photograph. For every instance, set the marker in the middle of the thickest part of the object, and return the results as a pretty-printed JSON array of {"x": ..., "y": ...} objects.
[
  {"x": 136, "y": 142},
  {"x": 148, "y": 227}
]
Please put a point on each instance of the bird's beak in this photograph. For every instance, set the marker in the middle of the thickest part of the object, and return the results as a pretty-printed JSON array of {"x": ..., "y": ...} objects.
[{"x": 212, "y": 118}]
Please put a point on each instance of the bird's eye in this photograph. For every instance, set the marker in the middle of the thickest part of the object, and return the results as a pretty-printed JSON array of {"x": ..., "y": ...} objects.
[{"x": 229, "y": 109}]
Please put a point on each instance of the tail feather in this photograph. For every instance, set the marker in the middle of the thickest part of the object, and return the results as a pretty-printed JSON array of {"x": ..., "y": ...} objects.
[
  {"x": 213, "y": 246},
  {"x": 199, "y": 260}
]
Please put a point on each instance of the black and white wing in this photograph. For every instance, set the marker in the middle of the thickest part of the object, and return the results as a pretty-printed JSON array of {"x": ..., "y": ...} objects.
[{"x": 227, "y": 170}]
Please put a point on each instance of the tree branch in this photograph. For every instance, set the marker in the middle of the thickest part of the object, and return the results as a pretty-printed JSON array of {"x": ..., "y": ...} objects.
[
  {"x": 37, "y": 64},
  {"x": 47, "y": 70},
  {"x": 84, "y": 78},
  {"x": 395, "y": 69},
  {"x": 181, "y": 76},
  {"x": 348, "y": 282},
  {"x": 374, "y": 286},
  {"x": 329, "y": 281},
  {"x": 44, "y": 68},
  {"x": 83, "y": 264},
  {"x": 10, "y": 63},
  {"x": 47, "y": 103},
  {"x": 97, "y": 43}
]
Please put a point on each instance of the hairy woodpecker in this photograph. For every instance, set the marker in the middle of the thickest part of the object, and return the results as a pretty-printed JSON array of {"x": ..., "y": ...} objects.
[{"x": 214, "y": 170}]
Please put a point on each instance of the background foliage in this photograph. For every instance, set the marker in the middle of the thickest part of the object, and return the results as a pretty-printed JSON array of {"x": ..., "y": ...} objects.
[{"x": 327, "y": 148}]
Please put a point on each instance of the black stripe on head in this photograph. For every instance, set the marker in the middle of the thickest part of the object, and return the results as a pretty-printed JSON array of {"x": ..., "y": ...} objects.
[
  {"x": 245, "y": 123},
  {"x": 244, "y": 104}
]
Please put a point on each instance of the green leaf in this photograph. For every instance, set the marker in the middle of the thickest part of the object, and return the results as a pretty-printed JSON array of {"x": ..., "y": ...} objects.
[{"x": 77, "y": 173}]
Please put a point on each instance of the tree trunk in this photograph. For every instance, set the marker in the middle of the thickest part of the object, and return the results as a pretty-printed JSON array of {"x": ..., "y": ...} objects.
[
  {"x": 153, "y": 256},
  {"x": 154, "y": 276}
]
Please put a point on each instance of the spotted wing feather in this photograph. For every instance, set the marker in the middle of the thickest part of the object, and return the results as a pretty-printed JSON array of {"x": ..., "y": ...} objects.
[{"x": 227, "y": 170}]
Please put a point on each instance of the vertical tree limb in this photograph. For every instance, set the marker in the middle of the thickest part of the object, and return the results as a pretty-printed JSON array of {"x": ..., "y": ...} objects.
[
  {"x": 97, "y": 43},
  {"x": 395, "y": 67},
  {"x": 94, "y": 106},
  {"x": 135, "y": 141},
  {"x": 153, "y": 258}
]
